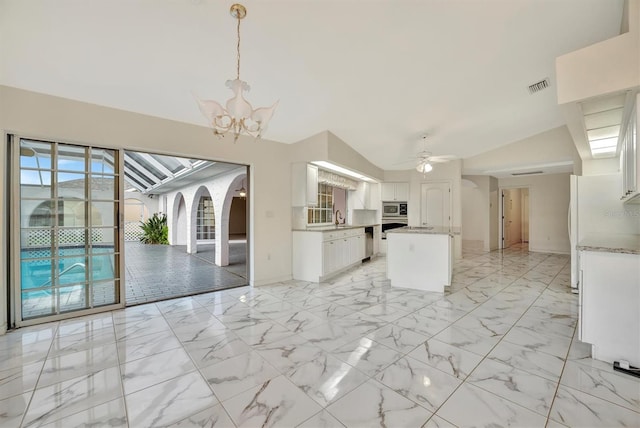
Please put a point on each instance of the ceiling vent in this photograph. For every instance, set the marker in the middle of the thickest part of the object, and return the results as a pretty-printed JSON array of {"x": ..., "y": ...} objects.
[
  {"x": 539, "y": 86},
  {"x": 526, "y": 173}
]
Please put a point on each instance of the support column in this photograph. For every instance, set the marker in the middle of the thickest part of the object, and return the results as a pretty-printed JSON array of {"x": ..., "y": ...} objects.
[
  {"x": 222, "y": 241},
  {"x": 192, "y": 237}
]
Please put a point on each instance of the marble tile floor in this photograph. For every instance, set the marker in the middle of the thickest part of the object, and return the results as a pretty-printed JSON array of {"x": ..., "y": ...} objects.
[{"x": 499, "y": 348}]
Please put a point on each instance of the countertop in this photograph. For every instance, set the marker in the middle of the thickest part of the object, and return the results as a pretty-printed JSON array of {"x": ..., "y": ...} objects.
[
  {"x": 621, "y": 244},
  {"x": 332, "y": 228},
  {"x": 430, "y": 230}
]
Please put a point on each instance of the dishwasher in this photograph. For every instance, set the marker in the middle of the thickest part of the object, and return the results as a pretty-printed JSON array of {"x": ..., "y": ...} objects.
[{"x": 368, "y": 247}]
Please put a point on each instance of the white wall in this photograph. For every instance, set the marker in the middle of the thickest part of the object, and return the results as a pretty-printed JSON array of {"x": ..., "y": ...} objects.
[
  {"x": 493, "y": 214},
  {"x": 548, "y": 208},
  {"x": 475, "y": 212}
]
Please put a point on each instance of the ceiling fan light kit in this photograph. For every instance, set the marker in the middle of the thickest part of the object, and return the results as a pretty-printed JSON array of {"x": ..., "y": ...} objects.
[{"x": 239, "y": 117}]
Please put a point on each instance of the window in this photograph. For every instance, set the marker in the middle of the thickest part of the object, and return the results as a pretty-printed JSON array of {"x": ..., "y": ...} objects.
[
  {"x": 323, "y": 212},
  {"x": 205, "y": 221}
]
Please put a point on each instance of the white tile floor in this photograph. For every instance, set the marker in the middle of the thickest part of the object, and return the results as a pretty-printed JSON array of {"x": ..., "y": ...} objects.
[{"x": 499, "y": 349}]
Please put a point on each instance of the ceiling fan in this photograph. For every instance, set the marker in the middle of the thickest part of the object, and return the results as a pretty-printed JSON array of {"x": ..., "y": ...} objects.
[{"x": 424, "y": 159}]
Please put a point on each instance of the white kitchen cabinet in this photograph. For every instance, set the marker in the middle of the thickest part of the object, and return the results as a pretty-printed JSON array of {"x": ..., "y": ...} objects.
[
  {"x": 395, "y": 192},
  {"x": 318, "y": 255},
  {"x": 304, "y": 185},
  {"x": 630, "y": 157},
  {"x": 609, "y": 311},
  {"x": 365, "y": 197}
]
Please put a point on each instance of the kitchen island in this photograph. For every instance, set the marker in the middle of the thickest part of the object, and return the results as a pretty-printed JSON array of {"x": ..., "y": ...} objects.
[{"x": 420, "y": 257}]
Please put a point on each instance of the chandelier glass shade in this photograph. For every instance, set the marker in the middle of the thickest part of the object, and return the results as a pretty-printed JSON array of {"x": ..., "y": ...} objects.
[{"x": 238, "y": 116}]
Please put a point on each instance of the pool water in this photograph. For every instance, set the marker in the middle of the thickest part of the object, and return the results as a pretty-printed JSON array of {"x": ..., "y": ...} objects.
[{"x": 35, "y": 269}]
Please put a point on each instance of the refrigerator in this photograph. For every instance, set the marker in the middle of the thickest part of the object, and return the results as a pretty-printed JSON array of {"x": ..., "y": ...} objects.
[{"x": 595, "y": 209}]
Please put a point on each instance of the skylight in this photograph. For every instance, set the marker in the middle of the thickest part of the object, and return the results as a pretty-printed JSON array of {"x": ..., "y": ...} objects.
[{"x": 602, "y": 120}]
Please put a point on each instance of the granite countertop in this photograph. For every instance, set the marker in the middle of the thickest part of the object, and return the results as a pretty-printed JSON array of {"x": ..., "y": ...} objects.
[
  {"x": 622, "y": 244},
  {"x": 429, "y": 230},
  {"x": 332, "y": 228}
]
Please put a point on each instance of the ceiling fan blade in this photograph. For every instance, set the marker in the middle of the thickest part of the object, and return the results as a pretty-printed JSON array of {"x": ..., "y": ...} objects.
[{"x": 443, "y": 158}]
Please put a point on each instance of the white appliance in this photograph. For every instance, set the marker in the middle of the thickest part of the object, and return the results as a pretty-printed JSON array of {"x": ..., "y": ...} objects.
[
  {"x": 573, "y": 232},
  {"x": 595, "y": 209}
]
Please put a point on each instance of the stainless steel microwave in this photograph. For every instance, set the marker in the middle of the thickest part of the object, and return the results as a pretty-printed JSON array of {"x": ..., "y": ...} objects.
[{"x": 394, "y": 209}]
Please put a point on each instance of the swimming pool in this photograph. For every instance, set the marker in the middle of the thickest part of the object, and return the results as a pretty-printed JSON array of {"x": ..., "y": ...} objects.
[{"x": 72, "y": 262}]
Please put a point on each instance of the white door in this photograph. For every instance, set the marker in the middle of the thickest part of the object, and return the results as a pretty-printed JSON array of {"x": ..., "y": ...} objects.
[{"x": 436, "y": 204}]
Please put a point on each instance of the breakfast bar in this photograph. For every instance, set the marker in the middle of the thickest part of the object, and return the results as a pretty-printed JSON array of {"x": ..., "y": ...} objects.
[{"x": 420, "y": 258}]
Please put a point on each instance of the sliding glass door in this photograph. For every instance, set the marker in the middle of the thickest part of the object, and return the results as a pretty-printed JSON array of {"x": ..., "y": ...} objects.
[{"x": 66, "y": 249}]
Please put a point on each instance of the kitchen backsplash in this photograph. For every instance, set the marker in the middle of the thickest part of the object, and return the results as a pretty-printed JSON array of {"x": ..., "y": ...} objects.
[{"x": 364, "y": 216}]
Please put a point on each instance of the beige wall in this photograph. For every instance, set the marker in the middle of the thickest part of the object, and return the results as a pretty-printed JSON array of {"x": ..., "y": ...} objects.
[
  {"x": 548, "y": 208},
  {"x": 475, "y": 212}
]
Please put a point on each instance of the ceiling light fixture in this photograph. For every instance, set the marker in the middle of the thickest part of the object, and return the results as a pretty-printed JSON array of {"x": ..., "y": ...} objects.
[
  {"x": 341, "y": 170},
  {"x": 239, "y": 117},
  {"x": 242, "y": 192},
  {"x": 424, "y": 167}
]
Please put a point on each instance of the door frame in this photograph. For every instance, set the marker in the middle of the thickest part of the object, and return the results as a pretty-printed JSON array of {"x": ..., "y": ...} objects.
[
  {"x": 501, "y": 189},
  {"x": 14, "y": 287}
]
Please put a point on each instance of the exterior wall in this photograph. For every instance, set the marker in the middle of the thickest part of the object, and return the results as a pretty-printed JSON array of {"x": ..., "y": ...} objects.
[{"x": 182, "y": 228}]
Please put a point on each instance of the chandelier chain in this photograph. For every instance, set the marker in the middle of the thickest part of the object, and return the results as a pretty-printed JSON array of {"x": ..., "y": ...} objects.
[{"x": 238, "y": 51}]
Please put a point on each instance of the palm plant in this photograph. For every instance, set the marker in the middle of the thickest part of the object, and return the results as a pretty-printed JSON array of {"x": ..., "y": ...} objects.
[{"x": 155, "y": 230}]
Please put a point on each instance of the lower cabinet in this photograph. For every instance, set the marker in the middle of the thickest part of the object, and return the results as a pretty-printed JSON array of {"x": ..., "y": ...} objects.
[
  {"x": 609, "y": 312},
  {"x": 319, "y": 255}
]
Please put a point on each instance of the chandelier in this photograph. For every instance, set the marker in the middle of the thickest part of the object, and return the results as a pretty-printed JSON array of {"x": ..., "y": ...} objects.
[{"x": 238, "y": 117}]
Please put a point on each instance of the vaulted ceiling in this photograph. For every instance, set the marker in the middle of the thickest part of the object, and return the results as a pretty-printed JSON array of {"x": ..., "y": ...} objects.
[{"x": 377, "y": 73}]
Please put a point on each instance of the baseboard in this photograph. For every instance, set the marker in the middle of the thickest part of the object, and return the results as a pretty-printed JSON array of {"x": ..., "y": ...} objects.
[
  {"x": 550, "y": 251},
  {"x": 270, "y": 281}
]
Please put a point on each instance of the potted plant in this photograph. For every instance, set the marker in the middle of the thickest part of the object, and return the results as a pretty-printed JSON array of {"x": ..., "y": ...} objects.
[{"x": 155, "y": 230}]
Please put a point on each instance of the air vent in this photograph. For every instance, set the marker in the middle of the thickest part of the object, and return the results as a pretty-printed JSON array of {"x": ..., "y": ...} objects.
[
  {"x": 539, "y": 86},
  {"x": 527, "y": 173}
]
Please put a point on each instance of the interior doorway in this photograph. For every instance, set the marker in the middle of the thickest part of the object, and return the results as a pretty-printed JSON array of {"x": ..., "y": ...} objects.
[
  {"x": 203, "y": 205},
  {"x": 515, "y": 217}
]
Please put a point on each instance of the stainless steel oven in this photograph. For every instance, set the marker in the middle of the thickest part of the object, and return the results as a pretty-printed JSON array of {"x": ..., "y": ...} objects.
[
  {"x": 394, "y": 209},
  {"x": 392, "y": 223}
]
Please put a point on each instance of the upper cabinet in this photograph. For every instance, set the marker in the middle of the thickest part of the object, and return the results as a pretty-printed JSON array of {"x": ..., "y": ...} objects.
[
  {"x": 365, "y": 197},
  {"x": 395, "y": 191},
  {"x": 630, "y": 160},
  {"x": 304, "y": 185}
]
